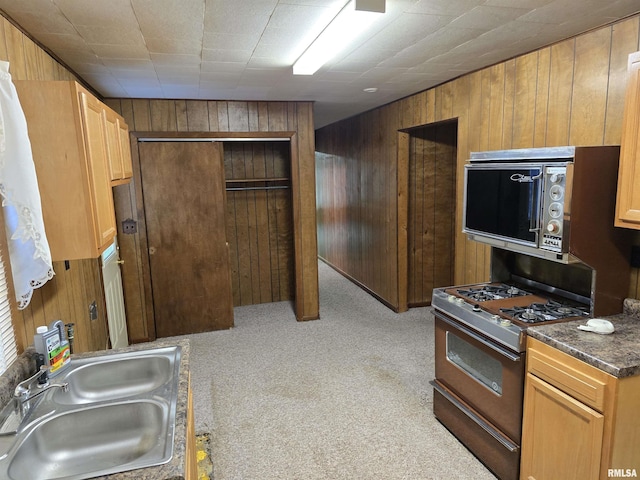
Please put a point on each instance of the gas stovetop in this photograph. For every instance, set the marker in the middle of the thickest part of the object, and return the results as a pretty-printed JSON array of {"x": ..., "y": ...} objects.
[{"x": 504, "y": 312}]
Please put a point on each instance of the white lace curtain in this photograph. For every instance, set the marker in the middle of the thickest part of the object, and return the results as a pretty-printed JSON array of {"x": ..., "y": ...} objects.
[{"x": 28, "y": 247}]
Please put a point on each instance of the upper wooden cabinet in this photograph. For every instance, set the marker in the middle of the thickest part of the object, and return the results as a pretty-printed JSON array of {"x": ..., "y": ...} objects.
[
  {"x": 628, "y": 198},
  {"x": 117, "y": 133},
  {"x": 68, "y": 137}
]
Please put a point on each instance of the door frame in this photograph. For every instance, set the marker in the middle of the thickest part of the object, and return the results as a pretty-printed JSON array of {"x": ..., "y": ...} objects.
[{"x": 143, "y": 244}]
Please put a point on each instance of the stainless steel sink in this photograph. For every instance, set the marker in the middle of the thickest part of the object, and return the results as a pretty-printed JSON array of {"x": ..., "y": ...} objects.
[
  {"x": 115, "y": 378},
  {"x": 118, "y": 415},
  {"x": 96, "y": 440}
]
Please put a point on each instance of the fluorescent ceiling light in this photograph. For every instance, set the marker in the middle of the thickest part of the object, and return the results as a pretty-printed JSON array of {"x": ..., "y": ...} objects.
[{"x": 343, "y": 29}]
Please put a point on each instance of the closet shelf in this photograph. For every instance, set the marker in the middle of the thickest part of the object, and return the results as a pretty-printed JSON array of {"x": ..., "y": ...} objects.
[{"x": 241, "y": 184}]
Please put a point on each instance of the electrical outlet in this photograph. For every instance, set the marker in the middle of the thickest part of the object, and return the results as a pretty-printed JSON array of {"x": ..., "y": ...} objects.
[
  {"x": 635, "y": 256},
  {"x": 129, "y": 226}
]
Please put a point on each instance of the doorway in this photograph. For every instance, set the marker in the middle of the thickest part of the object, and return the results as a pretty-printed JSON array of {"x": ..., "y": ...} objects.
[{"x": 431, "y": 209}]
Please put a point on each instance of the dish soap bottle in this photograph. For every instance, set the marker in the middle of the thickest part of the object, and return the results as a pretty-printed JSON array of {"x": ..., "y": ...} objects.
[{"x": 52, "y": 343}]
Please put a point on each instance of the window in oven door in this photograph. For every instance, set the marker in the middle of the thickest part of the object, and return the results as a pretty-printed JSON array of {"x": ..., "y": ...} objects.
[{"x": 480, "y": 366}]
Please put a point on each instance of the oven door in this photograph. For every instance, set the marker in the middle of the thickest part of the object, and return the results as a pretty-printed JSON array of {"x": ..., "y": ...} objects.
[{"x": 489, "y": 378}]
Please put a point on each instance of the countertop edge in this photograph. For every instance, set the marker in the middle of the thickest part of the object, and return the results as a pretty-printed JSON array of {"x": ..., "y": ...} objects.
[{"x": 616, "y": 354}]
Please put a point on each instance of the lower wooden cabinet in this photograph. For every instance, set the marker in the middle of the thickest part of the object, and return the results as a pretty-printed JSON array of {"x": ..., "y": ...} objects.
[{"x": 579, "y": 422}]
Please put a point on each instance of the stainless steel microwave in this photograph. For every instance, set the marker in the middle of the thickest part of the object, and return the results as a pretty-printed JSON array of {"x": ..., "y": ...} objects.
[{"x": 521, "y": 200}]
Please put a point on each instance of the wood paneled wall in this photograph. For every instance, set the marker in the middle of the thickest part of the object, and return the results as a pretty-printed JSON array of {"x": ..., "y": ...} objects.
[
  {"x": 198, "y": 116},
  {"x": 259, "y": 221},
  {"x": 570, "y": 93},
  {"x": 67, "y": 297}
]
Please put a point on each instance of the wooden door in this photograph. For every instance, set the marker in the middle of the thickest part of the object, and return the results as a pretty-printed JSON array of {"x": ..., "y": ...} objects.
[
  {"x": 114, "y": 296},
  {"x": 561, "y": 437},
  {"x": 184, "y": 203}
]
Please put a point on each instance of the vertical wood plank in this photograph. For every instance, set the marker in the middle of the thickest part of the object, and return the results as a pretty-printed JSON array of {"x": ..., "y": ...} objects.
[
  {"x": 542, "y": 98},
  {"x": 590, "y": 87},
  {"x": 560, "y": 93},
  {"x": 525, "y": 100}
]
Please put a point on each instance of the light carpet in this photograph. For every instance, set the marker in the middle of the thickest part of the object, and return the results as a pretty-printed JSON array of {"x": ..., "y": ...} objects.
[{"x": 343, "y": 397}]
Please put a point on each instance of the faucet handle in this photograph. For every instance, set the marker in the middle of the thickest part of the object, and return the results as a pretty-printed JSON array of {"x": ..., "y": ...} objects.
[
  {"x": 43, "y": 379},
  {"x": 23, "y": 387}
]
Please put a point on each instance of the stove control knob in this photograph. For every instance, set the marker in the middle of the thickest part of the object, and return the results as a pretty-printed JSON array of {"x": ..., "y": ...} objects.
[
  {"x": 555, "y": 177},
  {"x": 451, "y": 298},
  {"x": 460, "y": 300},
  {"x": 476, "y": 308},
  {"x": 504, "y": 322},
  {"x": 553, "y": 226},
  {"x": 496, "y": 318}
]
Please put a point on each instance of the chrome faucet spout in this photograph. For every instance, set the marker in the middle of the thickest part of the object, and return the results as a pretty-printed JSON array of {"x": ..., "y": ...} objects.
[{"x": 24, "y": 392}]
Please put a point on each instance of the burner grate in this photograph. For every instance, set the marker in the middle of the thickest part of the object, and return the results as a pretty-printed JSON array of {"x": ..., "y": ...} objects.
[
  {"x": 485, "y": 293},
  {"x": 542, "y": 312}
]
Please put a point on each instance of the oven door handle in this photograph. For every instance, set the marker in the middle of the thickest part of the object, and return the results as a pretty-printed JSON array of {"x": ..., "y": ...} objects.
[
  {"x": 505, "y": 353},
  {"x": 508, "y": 444}
]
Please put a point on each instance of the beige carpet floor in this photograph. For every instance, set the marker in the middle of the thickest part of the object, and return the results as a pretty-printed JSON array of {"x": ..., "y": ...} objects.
[{"x": 343, "y": 397}]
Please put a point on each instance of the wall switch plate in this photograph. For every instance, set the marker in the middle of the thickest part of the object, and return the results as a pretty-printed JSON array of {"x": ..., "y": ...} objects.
[{"x": 129, "y": 226}]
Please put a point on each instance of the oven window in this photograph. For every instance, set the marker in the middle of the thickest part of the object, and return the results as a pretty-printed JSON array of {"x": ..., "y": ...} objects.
[{"x": 479, "y": 365}]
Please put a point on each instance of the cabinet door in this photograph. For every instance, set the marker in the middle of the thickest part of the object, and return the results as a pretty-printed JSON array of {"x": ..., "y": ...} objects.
[
  {"x": 561, "y": 437},
  {"x": 125, "y": 149},
  {"x": 114, "y": 151},
  {"x": 628, "y": 200},
  {"x": 97, "y": 159}
]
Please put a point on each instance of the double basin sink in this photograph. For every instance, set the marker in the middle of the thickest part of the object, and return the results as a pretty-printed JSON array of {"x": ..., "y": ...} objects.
[{"x": 117, "y": 414}]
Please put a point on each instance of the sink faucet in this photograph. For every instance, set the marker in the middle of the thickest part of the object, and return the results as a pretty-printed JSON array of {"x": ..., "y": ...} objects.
[{"x": 23, "y": 392}]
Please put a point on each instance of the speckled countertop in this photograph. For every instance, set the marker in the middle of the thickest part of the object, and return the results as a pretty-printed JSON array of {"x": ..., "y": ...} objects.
[
  {"x": 173, "y": 470},
  {"x": 617, "y": 354}
]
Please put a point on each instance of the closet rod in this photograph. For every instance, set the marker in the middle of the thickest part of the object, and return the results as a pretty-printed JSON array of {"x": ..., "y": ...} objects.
[{"x": 239, "y": 189}]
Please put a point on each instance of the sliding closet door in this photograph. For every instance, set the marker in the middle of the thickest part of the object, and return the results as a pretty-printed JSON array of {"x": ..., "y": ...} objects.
[{"x": 184, "y": 203}]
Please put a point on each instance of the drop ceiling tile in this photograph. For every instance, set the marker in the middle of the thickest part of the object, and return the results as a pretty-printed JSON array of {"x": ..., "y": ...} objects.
[
  {"x": 143, "y": 91},
  {"x": 444, "y": 7},
  {"x": 63, "y": 42},
  {"x": 226, "y": 67},
  {"x": 235, "y": 56},
  {"x": 110, "y": 35},
  {"x": 529, "y": 4},
  {"x": 487, "y": 18},
  {"x": 557, "y": 12},
  {"x": 120, "y": 51},
  {"x": 232, "y": 24},
  {"x": 36, "y": 23},
  {"x": 221, "y": 41},
  {"x": 116, "y": 13},
  {"x": 169, "y": 44},
  {"x": 176, "y": 61},
  {"x": 179, "y": 91}
]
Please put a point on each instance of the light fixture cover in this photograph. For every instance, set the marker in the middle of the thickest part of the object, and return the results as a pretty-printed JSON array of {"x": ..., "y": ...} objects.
[
  {"x": 341, "y": 31},
  {"x": 371, "y": 5}
]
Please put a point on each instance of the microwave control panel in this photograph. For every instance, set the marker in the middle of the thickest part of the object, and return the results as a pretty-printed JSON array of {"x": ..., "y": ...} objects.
[{"x": 554, "y": 186}]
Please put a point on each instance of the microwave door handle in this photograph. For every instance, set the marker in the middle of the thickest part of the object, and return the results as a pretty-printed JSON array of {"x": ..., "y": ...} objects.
[{"x": 534, "y": 209}]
